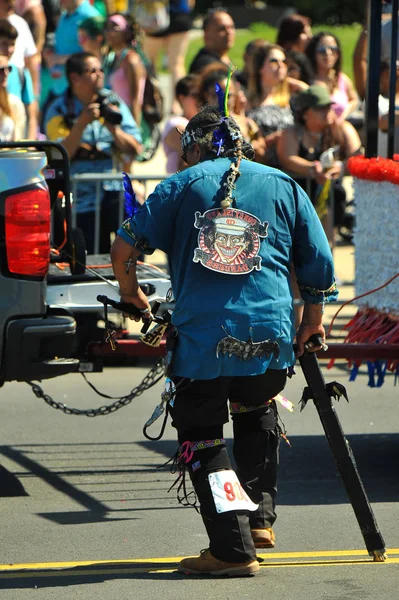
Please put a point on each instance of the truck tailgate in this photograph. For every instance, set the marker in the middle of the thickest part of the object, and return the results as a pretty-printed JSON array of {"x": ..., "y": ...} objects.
[{"x": 78, "y": 293}]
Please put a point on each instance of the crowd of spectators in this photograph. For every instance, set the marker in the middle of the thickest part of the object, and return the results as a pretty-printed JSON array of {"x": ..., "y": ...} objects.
[{"x": 82, "y": 73}]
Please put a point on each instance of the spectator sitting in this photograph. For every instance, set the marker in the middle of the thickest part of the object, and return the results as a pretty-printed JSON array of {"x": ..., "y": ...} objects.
[
  {"x": 19, "y": 81},
  {"x": 186, "y": 95},
  {"x": 82, "y": 121},
  {"x": 325, "y": 55},
  {"x": 124, "y": 72},
  {"x": 66, "y": 42},
  {"x": 91, "y": 35},
  {"x": 219, "y": 37},
  {"x": 212, "y": 75},
  {"x": 12, "y": 113},
  {"x": 315, "y": 131},
  {"x": 269, "y": 93},
  {"x": 243, "y": 76}
]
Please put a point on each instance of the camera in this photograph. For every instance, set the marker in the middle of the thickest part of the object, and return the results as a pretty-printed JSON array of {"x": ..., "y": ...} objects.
[{"x": 110, "y": 115}]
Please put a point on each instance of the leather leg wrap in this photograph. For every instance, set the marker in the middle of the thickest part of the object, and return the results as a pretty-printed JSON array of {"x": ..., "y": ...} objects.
[
  {"x": 229, "y": 533},
  {"x": 256, "y": 455}
]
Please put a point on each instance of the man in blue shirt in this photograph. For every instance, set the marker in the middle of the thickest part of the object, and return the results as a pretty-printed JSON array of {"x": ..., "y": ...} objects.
[
  {"x": 90, "y": 136},
  {"x": 231, "y": 229}
]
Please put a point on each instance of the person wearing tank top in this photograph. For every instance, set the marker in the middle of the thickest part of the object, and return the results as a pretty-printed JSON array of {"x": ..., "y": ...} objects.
[
  {"x": 124, "y": 71},
  {"x": 315, "y": 131},
  {"x": 270, "y": 91},
  {"x": 325, "y": 55}
]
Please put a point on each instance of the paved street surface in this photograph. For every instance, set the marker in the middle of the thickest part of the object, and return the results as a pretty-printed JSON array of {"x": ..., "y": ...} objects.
[
  {"x": 86, "y": 513},
  {"x": 96, "y": 521}
]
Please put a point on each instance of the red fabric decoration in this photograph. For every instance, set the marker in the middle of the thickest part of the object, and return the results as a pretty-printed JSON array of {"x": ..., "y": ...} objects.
[
  {"x": 375, "y": 169},
  {"x": 371, "y": 326}
]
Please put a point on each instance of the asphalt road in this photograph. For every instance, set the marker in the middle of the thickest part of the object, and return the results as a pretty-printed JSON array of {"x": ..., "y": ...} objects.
[{"x": 95, "y": 519}]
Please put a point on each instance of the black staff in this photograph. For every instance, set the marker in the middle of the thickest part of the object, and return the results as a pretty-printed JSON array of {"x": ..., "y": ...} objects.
[{"x": 342, "y": 452}]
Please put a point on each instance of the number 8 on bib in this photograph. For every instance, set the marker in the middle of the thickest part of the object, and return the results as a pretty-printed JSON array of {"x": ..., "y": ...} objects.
[{"x": 228, "y": 493}]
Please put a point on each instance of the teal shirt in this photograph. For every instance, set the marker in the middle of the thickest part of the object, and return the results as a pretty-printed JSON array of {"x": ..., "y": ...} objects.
[
  {"x": 66, "y": 40},
  {"x": 253, "y": 297}
]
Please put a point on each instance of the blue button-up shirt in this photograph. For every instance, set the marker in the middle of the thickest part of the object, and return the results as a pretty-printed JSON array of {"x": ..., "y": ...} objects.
[{"x": 246, "y": 301}]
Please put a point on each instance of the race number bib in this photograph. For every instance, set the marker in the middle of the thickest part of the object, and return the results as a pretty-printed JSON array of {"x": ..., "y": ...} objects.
[{"x": 228, "y": 493}]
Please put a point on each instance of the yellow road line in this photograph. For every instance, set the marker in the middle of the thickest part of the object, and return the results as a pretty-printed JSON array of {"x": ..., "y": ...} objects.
[
  {"x": 146, "y": 565},
  {"x": 139, "y": 570}
]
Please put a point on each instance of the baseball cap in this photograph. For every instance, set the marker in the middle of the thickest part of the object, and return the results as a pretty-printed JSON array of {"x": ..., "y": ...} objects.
[{"x": 314, "y": 96}]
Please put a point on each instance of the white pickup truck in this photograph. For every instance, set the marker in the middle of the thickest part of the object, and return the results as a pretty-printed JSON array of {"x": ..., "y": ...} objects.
[{"x": 49, "y": 314}]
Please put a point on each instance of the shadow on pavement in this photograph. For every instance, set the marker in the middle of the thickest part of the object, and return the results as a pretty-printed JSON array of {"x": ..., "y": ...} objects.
[
  {"x": 10, "y": 486},
  {"x": 308, "y": 475},
  {"x": 85, "y": 575}
]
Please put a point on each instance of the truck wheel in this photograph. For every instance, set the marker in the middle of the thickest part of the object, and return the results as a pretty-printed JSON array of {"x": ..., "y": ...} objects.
[{"x": 77, "y": 263}]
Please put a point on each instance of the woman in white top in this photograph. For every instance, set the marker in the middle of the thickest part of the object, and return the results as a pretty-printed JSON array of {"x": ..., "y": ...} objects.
[{"x": 12, "y": 112}]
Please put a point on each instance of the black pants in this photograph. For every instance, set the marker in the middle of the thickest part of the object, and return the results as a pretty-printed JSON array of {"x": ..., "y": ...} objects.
[{"x": 199, "y": 412}]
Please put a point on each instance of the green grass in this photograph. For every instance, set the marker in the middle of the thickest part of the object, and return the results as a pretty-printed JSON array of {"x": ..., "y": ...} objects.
[{"x": 347, "y": 35}]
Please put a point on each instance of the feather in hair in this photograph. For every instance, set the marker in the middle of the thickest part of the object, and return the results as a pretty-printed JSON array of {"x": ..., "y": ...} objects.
[
  {"x": 220, "y": 96},
  {"x": 131, "y": 204},
  {"x": 226, "y": 92}
]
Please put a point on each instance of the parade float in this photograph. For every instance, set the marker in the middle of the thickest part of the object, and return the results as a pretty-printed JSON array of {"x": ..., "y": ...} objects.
[{"x": 373, "y": 333}]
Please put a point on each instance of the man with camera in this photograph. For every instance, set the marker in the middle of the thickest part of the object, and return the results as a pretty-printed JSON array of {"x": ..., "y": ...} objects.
[{"x": 96, "y": 128}]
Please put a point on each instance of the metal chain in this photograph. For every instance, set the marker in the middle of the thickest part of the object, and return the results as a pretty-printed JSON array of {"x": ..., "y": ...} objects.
[{"x": 152, "y": 378}]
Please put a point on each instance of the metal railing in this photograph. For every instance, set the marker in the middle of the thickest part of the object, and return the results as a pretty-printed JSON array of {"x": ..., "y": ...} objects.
[{"x": 99, "y": 178}]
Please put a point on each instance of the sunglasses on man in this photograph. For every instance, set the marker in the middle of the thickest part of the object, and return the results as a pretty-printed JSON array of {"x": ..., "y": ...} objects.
[{"x": 93, "y": 70}]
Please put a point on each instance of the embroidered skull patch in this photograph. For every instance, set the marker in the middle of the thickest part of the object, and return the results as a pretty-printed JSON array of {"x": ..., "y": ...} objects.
[{"x": 229, "y": 241}]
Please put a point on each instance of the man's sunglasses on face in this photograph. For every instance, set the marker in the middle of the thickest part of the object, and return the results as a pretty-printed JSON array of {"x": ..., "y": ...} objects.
[{"x": 93, "y": 70}]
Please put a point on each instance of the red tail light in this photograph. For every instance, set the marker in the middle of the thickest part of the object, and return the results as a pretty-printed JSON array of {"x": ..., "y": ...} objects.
[{"x": 27, "y": 229}]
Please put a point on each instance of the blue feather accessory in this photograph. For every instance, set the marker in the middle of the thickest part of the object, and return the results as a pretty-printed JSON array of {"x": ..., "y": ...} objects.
[
  {"x": 220, "y": 96},
  {"x": 131, "y": 204}
]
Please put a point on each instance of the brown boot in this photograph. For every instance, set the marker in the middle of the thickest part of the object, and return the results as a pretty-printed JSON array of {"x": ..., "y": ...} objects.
[
  {"x": 206, "y": 564},
  {"x": 263, "y": 538}
]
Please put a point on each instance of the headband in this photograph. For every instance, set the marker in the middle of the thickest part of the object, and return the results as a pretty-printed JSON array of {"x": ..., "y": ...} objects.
[{"x": 188, "y": 138}]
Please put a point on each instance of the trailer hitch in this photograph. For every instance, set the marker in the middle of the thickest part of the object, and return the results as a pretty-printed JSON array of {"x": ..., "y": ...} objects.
[{"x": 151, "y": 338}]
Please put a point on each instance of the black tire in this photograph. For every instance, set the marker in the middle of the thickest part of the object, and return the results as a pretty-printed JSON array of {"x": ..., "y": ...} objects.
[{"x": 77, "y": 263}]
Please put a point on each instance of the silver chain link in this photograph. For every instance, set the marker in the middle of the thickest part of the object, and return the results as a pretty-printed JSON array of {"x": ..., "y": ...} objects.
[{"x": 152, "y": 378}]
